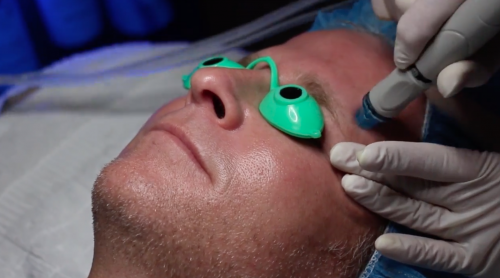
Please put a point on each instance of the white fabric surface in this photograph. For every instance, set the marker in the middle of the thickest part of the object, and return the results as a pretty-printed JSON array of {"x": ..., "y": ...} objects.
[{"x": 52, "y": 147}]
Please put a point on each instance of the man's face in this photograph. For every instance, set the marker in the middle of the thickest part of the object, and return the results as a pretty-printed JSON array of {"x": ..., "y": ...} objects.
[{"x": 208, "y": 187}]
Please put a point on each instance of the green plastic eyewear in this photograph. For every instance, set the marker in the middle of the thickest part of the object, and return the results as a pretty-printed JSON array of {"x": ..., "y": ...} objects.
[
  {"x": 288, "y": 108},
  {"x": 221, "y": 62}
]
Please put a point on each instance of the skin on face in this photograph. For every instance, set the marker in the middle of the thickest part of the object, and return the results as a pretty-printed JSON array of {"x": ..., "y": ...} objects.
[{"x": 197, "y": 194}]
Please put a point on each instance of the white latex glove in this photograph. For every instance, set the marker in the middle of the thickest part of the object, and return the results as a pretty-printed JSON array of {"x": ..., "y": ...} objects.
[
  {"x": 453, "y": 194},
  {"x": 418, "y": 22}
]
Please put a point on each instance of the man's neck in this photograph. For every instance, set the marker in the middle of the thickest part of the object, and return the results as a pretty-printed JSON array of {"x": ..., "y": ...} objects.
[{"x": 112, "y": 266}]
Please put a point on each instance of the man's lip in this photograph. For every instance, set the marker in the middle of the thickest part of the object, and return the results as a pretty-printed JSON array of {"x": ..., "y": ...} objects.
[{"x": 186, "y": 143}]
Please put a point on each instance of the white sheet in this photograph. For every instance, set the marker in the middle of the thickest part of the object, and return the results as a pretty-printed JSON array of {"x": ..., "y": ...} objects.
[{"x": 53, "y": 145}]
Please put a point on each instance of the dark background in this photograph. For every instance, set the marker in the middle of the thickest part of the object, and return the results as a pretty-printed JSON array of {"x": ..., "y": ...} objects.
[{"x": 193, "y": 20}]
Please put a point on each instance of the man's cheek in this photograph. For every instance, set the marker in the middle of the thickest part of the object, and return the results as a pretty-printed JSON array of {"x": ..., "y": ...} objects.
[{"x": 333, "y": 133}]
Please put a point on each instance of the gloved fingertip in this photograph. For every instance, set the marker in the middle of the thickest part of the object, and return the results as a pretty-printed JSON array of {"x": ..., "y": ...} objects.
[
  {"x": 390, "y": 245},
  {"x": 334, "y": 152},
  {"x": 385, "y": 242},
  {"x": 478, "y": 77},
  {"x": 343, "y": 154},
  {"x": 359, "y": 155},
  {"x": 401, "y": 58},
  {"x": 401, "y": 64},
  {"x": 453, "y": 91},
  {"x": 353, "y": 183},
  {"x": 450, "y": 87},
  {"x": 381, "y": 10},
  {"x": 457, "y": 76},
  {"x": 370, "y": 159}
]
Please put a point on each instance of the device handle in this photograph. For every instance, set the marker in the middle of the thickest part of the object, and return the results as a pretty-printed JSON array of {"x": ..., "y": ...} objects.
[{"x": 473, "y": 24}]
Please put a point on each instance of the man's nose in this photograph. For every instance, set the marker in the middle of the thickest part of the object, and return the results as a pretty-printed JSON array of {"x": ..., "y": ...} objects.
[{"x": 213, "y": 89}]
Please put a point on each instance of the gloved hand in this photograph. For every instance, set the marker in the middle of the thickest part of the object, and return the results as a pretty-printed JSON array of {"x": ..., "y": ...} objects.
[
  {"x": 418, "y": 23},
  {"x": 453, "y": 194}
]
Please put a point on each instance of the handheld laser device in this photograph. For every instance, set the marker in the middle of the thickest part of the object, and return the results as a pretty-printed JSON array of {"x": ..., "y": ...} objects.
[{"x": 474, "y": 24}]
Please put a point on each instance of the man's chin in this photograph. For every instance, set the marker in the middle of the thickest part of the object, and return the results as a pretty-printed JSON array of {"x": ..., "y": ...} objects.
[{"x": 130, "y": 216}]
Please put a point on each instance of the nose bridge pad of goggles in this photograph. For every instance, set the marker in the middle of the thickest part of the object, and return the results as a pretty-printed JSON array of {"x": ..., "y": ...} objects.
[{"x": 218, "y": 61}]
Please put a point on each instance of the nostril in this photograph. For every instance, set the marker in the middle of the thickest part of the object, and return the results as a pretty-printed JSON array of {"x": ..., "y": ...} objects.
[{"x": 219, "y": 109}]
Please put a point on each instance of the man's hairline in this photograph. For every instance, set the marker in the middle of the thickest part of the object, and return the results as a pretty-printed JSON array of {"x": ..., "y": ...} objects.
[{"x": 311, "y": 78}]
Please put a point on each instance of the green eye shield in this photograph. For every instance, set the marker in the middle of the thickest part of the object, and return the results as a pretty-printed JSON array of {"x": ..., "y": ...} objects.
[{"x": 288, "y": 108}]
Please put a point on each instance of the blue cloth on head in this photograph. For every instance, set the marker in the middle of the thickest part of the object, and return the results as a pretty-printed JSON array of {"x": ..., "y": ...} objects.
[{"x": 360, "y": 16}]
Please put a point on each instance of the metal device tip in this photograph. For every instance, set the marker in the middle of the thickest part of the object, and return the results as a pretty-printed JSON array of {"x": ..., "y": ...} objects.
[{"x": 366, "y": 116}]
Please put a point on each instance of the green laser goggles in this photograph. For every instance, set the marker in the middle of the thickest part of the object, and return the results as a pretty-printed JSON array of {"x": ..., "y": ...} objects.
[{"x": 288, "y": 108}]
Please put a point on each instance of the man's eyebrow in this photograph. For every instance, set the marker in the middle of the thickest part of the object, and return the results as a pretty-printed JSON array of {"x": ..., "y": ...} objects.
[{"x": 314, "y": 87}]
